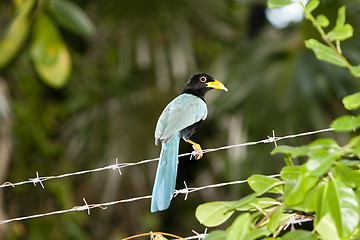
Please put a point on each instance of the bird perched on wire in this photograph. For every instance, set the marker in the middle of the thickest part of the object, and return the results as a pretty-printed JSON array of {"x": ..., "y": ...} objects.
[{"x": 180, "y": 119}]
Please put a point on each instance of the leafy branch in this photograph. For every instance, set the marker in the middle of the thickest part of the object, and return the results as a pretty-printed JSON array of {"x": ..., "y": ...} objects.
[
  {"x": 331, "y": 52},
  {"x": 324, "y": 190}
]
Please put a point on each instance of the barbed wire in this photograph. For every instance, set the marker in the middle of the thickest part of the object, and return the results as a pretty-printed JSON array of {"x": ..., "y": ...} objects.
[
  {"x": 119, "y": 166},
  {"x": 87, "y": 207}
]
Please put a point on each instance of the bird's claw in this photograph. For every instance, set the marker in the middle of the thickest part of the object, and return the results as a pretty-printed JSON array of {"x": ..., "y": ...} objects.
[{"x": 198, "y": 152}]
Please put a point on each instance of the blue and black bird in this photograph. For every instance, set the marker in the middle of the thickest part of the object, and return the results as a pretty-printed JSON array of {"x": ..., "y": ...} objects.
[{"x": 180, "y": 119}]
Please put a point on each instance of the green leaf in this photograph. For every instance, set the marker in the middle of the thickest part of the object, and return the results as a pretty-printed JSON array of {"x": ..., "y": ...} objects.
[
  {"x": 326, "y": 228},
  {"x": 71, "y": 17},
  {"x": 312, "y": 5},
  {"x": 242, "y": 202},
  {"x": 341, "y": 16},
  {"x": 346, "y": 174},
  {"x": 355, "y": 70},
  {"x": 16, "y": 32},
  {"x": 320, "y": 200},
  {"x": 308, "y": 204},
  {"x": 275, "y": 218},
  {"x": 240, "y": 227},
  {"x": 346, "y": 123},
  {"x": 278, "y": 3},
  {"x": 49, "y": 53},
  {"x": 257, "y": 233},
  {"x": 217, "y": 235},
  {"x": 293, "y": 151},
  {"x": 321, "y": 161},
  {"x": 288, "y": 160},
  {"x": 295, "y": 191},
  {"x": 341, "y": 33},
  {"x": 340, "y": 201},
  {"x": 213, "y": 213},
  {"x": 259, "y": 203},
  {"x": 260, "y": 183},
  {"x": 325, "y": 53},
  {"x": 322, "y": 20},
  {"x": 299, "y": 235},
  {"x": 349, "y": 209},
  {"x": 290, "y": 172},
  {"x": 352, "y": 101},
  {"x": 323, "y": 143}
]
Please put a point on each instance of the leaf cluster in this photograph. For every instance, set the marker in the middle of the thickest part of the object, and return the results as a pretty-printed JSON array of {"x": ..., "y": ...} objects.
[
  {"x": 49, "y": 53},
  {"x": 325, "y": 190}
]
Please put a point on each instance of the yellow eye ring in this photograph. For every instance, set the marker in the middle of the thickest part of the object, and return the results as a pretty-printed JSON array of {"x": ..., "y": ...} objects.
[{"x": 203, "y": 79}]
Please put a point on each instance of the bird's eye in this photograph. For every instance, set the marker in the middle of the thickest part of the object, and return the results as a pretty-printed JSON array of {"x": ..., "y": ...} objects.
[{"x": 203, "y": 79}]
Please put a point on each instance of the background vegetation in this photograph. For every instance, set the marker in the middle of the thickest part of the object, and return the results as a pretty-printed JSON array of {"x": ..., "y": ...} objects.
[{"x": 83, "y": 82}]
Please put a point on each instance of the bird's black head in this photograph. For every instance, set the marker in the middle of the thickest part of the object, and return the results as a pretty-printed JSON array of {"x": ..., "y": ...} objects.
[{"x": 201, "y": 83}]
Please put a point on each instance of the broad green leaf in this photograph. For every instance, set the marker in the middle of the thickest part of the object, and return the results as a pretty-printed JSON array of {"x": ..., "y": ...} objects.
[
  {"x": 213, "y": 213},
  {"x": 257, "y": 233},
  {"x": 217, "y": 235},
  {"x": 16, "y": 32},
  {"x": 341, "y": 33},
  {"x": 349, "y": 209},
  {"x": 293, "y": 151},
  {"x": 322, "y": 20},
  {"x": 323, "y": 143},
  {"x": 309, "y": 203},
  {"x": 326, "y": 228},
  {"x": 320, "y": 162},
  {"x": 299, "y": 235},
  {"x": 290, "y": 172},
  {"x": 352, "y": 101},
  {"x": 332, "y": 203},
  {"x": 275, "y": 218},
  {"x": 325, "y": 53},
  {"x": 278, "y": 3},
  {"x": 295, "y": 191},
  {"x": 260, "y": 183},
  {"x": 263, "y": 202},
  {"x": 242, "y": 202},
  {"x": 353, "y": 146},
  {"x": 49, "y": 53},
  {"x": 346, "y": 123},
  {"x": 312, "y": 5},
  {"x": 346, "y": 174},
  {"x": 320, "y": 200},
  {"x": 240, "y": 227},
  {"x": 71, "y": 17},
  {"x": 355, "y": 70}
]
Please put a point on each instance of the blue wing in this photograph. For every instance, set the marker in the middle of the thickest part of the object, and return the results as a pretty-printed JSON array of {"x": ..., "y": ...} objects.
[
  {"x": 183, "y": 111},
  {"x": 165, "y": 179}
]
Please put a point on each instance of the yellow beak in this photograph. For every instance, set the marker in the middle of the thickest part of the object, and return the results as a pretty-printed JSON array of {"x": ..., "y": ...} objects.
[{"x": 216, "y": 85}]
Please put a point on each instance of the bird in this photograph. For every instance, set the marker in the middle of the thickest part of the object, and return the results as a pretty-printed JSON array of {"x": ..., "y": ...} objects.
[{"x": 179, "y": 120}]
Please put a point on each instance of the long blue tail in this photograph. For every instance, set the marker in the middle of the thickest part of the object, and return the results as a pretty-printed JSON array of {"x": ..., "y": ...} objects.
[{"x": 165, "y": 179}]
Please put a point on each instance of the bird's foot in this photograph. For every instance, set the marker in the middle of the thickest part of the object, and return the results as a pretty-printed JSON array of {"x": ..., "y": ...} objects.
[{"x": 198, "y": 152}]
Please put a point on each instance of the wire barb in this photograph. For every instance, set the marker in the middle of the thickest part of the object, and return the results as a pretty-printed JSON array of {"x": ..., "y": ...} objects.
[{"x": 36, "y": 180}]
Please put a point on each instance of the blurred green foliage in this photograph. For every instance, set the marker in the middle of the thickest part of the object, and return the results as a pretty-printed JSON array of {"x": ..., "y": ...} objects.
[{"x": 90, "y": 88}]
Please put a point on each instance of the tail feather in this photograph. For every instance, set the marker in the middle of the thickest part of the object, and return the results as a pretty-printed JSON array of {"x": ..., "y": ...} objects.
[{"x": 165, "y": 179}]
